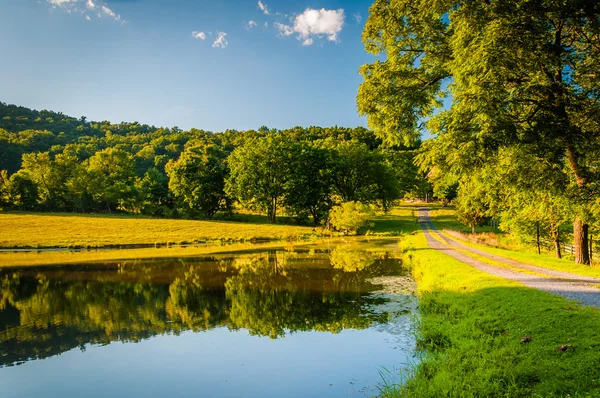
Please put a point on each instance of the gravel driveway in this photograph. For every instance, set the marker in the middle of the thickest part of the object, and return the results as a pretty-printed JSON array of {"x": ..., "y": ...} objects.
[{"x": 571, "y": 286}]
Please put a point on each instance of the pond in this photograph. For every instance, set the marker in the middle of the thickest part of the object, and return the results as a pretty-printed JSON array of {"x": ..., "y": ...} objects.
[{"x": 312, "y": 320}]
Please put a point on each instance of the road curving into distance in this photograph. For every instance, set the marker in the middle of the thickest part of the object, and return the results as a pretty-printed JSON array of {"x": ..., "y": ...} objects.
[{"x": 572, "y": 286}]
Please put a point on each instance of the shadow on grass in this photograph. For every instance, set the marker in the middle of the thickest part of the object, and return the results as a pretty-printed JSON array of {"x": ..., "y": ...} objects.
[{"x": 473, "y": 345}]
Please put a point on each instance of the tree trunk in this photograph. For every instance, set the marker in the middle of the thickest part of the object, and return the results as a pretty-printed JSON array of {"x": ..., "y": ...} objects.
[
  {"x": 473, "y": 228},
  {"x": 580, "y": 235},
  {"x": 580, "y": 230},
  {"x": 273, "y": 211},
  {"x": 556, "y": 238},
  {"x": 537, "y": 238},
  {"x": 316, "y": 220},
  {"x": 591, "y": 250}
]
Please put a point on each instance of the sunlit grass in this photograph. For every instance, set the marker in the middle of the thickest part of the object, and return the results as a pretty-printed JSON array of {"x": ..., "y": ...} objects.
[
  {"x": 43, "y": 230},
  {"x": 445, "y": 218},
  {"x": 19, "y": 259},
  {"x": 399, "y": 220},
  {"x": 45, "y": 257},
  {"x": 541, "y": 260},
  {"x": 62, "y": 230},
  {"x": 471, "y": 329}
]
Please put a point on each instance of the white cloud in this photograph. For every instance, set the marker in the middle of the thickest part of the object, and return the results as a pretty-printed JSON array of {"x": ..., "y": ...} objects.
[
  {"x": 263, "y": 7},
  {"x": 108, "y": 11},
  {"x": 250, "y": 25},
  {"x": 221, "y": 41},
  {"x": 62, "y": 3},
  {"x": 83, "y": 6},
  {"x": 314, "y": 23},
  {"x": 284, "y": 30},
  {"x": 198, "y": 35},
  {"x": 266, "y": 24},
  {"x": 357, "y": 17},
  {"x": 319, "y": 22}
]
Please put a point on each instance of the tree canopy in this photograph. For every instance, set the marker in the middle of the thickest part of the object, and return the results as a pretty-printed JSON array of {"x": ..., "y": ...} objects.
[
  {"x": 54, "y": 162},
  {"x": 482, "y": 76}
]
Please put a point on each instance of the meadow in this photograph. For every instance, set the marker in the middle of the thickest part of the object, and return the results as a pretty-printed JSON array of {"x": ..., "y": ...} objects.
[
  {"x": 44, "y": 230},
  {"x": 481, "y": 335},
  {"x": 67, "y": 230},
  {"x": 114, "y": 238}
]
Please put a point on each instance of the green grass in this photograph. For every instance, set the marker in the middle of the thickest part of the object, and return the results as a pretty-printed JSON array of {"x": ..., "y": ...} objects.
[
  {"x": 70, "y": 230},
  {"x": 43, "y": 258},
  {"x": 543, "y": 260},
  {"x": 34, "y": 259},
  {"x": 445, "y": 218},
  {"x": 400, "y": 220},
  {"x": 67, "y": 230},
  {"x": 471, "y": 328}
]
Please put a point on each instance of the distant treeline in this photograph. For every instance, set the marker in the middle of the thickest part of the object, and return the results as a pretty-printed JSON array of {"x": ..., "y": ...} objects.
[{"x": 53, "y": 162}]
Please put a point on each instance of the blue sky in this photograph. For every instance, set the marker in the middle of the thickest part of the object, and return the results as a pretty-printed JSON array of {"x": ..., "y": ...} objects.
[{"x": 147, "y": 61}]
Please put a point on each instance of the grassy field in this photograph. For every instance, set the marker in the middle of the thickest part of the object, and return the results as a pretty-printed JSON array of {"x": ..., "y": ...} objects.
[
  {"x": 33, "y": 259},
  {"x": 98, "y": 231},
  {"x": 69, "y": 230},
  {"x": 472, "y": 328},
  {"x": 43, "y": 258},
  {"x": 63, "y": 230}
]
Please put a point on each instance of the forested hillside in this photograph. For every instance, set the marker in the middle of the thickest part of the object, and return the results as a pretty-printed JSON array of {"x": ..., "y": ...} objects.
[{"x": 54, "y": 162}]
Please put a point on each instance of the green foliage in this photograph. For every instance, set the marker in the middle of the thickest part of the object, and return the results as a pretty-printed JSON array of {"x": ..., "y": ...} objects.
[
  {"x": 198, "y": 177},
  {"x": 82, "y": 166},
  {"x": 308, "y": 188},
  {"x": 350, "y": 216},
  {"x": 362, "y": 175},
  {"x": 471, "y": 330},
  {"x": 260, "y": 170},
  {"x": 112, "y": 172},
  {"x": 154, "y": 197},
  {"x": 520, "y": 75},
  {"x": 471, "y": 209},
  {"x": 23, "y": 191},
  {"x": 5, "y": 200}
]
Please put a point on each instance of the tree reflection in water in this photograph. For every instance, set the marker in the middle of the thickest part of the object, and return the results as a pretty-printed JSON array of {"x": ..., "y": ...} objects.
[{"x": 50, "y": 311}]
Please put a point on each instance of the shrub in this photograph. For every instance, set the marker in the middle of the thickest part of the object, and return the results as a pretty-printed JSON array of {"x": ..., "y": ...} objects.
[{"x": 350, "y": 216}]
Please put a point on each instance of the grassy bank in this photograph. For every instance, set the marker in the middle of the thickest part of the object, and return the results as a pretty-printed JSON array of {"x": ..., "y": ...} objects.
[
  {"x": 544, "y": 260},
  {"x": 64, "y": 230},
  {"x": 69, "y": 230},
  {"x": 101, "y": 231},
  {"x": 43, "y": 258},
  {"x": 472, "y": 328}
]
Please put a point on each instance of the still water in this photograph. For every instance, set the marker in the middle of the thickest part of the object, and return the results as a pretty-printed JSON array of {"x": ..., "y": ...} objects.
[{"x": 312, "y": 321}]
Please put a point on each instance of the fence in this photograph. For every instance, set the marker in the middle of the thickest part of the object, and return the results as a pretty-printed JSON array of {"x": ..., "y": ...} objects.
[{"x": 594, "y": 247}]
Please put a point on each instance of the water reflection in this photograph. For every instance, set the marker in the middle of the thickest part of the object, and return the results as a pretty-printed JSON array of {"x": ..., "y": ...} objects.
[{"x": 46, "y": 312}]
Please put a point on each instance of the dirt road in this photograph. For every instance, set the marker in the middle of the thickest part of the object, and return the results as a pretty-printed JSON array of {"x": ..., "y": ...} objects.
[{"x": 572, "y": 286}]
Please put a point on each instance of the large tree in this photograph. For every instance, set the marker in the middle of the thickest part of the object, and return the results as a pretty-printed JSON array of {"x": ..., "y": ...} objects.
[
  {"x": 518, "y": 73},
  {"x": 259, "y": 173},
  {"x": 308, "y": 186},
  {"x": 112, "y": 174},
  {"x": 198, "y": 177},
  {"x": 360, "y": 174}
]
